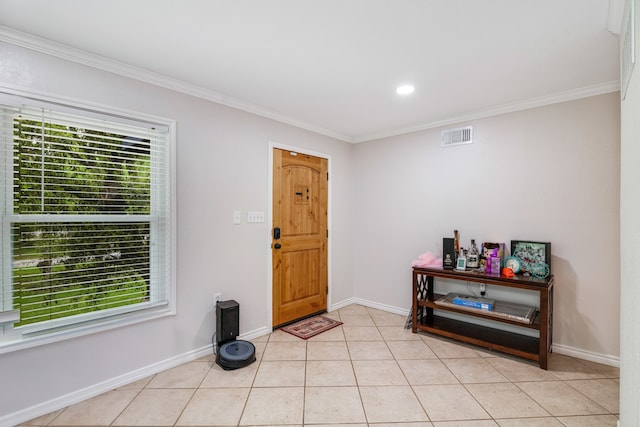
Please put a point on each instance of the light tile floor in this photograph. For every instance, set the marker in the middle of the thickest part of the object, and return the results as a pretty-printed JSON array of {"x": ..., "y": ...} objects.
[{"x": 369, "y": 371}]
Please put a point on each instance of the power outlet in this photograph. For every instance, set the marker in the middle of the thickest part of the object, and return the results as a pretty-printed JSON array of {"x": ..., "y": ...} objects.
[{"x": 216, "y": 297}]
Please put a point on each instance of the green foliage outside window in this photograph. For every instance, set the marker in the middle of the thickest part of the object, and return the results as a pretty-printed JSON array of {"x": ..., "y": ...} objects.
[{"x": 66, "y": 268}]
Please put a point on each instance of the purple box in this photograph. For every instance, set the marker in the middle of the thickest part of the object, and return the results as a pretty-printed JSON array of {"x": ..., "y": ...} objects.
[{"x": 494, "y": 263}]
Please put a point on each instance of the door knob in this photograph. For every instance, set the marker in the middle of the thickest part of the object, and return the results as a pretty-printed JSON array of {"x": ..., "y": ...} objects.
[{"x": 277, "y": 246}]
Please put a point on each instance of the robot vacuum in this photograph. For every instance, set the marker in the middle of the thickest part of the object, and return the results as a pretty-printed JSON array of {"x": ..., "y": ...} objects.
[
  {"x": 231, "y": 353},
  {"x": 236, "y": 354}
]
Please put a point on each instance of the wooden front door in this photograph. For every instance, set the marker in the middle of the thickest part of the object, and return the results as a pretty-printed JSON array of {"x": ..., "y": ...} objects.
[{"x": 299, "y": 236}]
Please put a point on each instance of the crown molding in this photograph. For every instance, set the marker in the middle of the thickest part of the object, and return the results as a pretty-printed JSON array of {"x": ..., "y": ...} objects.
[
  {"x": 570, "y": 95},
  {"x": 58, "y": 50}
]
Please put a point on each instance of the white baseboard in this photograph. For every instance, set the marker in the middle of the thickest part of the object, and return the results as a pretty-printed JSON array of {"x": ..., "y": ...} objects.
[
  {"x": 604, "y": 359},
  {"x": 382, "y": 307},
  {"x": 77, "y": 396},
  {"x": 371, "y": 304},
  {"x": 341, "y": 304},
  {"x": 256, "y": 333},
  {"x": 52, "y": 405}
]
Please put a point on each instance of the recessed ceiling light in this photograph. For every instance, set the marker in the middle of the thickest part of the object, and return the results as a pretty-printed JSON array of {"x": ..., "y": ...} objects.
[{"x": 405, "y": 90}]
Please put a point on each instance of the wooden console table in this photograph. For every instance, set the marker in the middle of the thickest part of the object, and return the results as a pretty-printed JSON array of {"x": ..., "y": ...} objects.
[{"x": 533, "y": 348}]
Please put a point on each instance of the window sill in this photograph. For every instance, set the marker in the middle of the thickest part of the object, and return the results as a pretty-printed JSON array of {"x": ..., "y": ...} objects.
[{"x": 9, "y": 316}]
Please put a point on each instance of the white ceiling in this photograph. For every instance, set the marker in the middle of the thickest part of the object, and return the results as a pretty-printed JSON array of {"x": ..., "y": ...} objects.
[{"x": 333, "y": 65}]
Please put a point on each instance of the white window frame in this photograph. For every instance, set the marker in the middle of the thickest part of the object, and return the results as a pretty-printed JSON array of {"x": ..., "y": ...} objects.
[{"x": 12, "y": 339}]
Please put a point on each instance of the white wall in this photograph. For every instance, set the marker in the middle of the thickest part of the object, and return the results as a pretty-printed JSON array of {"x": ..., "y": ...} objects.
[
  {"x": 222, "y": 165},
  {"x": 545, "y": 174},
  {"x": 630, "y": 248}
]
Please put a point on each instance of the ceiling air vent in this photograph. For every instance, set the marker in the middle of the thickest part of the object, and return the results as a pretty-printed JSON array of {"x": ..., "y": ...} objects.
[{"x": 457, "y": 136}]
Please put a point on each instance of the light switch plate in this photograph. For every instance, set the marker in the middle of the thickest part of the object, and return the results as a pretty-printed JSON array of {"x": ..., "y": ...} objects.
[{"x": 255, "y": 216}]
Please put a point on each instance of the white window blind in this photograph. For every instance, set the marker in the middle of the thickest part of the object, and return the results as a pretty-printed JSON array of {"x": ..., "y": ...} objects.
[{"x": 85, "y": 216}]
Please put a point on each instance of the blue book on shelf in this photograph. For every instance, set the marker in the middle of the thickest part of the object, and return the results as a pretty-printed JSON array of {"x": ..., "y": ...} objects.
[{"x": 474, "y": 302}]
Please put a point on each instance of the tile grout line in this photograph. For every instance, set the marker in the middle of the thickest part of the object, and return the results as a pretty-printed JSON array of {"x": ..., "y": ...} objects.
[
  {"x": 355, "y": 377},
  {"x": 304, "y": 382}
]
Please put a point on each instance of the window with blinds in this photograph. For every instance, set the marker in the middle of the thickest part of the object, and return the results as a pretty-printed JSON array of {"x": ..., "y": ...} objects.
[{"x": 85, "y": 216}]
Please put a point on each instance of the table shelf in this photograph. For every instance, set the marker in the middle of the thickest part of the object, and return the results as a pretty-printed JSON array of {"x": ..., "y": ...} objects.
[
  {"x": 494, "y": 339},
  {"x": 427, "y": 315},
  {"x": 484, "y": 314}
]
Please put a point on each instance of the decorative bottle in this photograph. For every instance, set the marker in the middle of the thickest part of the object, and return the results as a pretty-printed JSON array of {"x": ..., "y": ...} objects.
[
  {"x": 456, "y": 241},
  {"x": 461, "y": 261},
  {"x": 473, "y": 255}
]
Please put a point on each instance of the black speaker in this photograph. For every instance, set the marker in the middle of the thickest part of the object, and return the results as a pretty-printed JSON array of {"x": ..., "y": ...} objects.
[
  {"x": 448, "y": 253},
  {"x": 227, "y": 321}
]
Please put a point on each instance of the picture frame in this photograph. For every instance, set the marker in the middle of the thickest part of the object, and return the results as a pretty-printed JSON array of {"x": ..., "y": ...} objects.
[
  {"x": 531, "y": 253},
  {"x": 461, "y": 264}
]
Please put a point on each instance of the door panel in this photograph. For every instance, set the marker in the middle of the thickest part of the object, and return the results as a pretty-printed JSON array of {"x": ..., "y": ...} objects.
[{"x": 300, "y": 253}]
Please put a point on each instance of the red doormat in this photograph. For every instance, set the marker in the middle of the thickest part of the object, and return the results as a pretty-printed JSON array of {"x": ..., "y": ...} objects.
[{"x": 311, "y": 327}]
